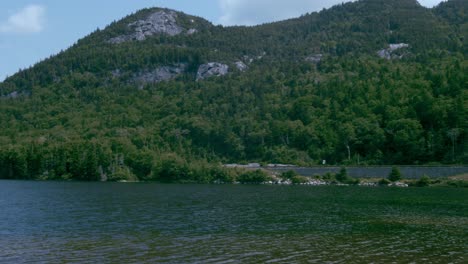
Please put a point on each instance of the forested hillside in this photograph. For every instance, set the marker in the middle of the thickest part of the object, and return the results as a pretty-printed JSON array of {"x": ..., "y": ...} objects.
[{"x": 162, "y": 95}]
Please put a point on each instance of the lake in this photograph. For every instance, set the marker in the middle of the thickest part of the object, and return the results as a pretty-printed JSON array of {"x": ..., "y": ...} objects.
[{"x": 71, "y": 222}]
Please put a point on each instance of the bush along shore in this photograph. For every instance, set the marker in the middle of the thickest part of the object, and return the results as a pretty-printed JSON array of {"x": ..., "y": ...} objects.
[{"x": 77, "y": 165}]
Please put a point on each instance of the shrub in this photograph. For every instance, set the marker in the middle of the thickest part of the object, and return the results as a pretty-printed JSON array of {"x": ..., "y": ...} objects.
[
  {"x": 458, "y": 183},
  {"x": 395, "y": 175},
  {"x": 141, "y": 163},
  {"x": 299, "y": 179},
  {"x": 222, "y": 174},
  {"x": 122, "y": 173},
  {"x": 257, "y": 176},
  {"x": 170, "y": 168},
  {"x": 342, "y": 176},
  {"x": 384, "y": 182},
  {"x": 353, "y": 181},
  {"x": 289, "y": 174},
  {"x": 328, "y": 176},
  {"x": 423, "y": 182}
]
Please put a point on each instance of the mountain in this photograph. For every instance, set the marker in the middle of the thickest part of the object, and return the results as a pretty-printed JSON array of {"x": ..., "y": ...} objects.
[
  {"x": 454, "y": 13},
  {"x": 163, "y": 95}
]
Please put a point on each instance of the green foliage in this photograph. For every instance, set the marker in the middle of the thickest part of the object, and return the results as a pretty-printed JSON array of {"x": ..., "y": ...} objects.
[
  {"x": 222, "y": 175},
  {"x": 254, "y": 176},
  {"x": 424, "y": 181},
  {"x": 294, "y": 177},
  {"x": 395, "y": 175},
  {"x": 170, "y": 168},
  {"x": 141, "y": 163},
  {"x": 342, "y": 176},
  {"x": 328, "y": 176},
  {"x": 384, "y": 182},
  {"x": 299, "y": 179},
  {"x": 289, "y": 174},
  {"x": 458, "y": 183},
  {"x": 13, "y": 164},
  {"x": 122, "y": 174}
]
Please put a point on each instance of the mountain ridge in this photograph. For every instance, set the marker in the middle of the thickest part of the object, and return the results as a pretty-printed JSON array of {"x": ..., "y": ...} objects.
[
  {"x": 114, "y": 29},
  {"x": 369, "y": 82}
]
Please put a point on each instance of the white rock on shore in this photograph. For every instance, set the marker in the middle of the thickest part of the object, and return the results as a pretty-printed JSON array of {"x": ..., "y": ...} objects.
[{"x": 398, "y": 184}]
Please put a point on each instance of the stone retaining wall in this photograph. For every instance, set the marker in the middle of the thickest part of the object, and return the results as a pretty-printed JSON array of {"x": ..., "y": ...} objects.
[{"x": 408, "y": 172}]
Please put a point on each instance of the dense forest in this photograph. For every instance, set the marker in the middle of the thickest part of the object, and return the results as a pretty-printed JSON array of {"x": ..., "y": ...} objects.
[{"x": 325, "y": 86}]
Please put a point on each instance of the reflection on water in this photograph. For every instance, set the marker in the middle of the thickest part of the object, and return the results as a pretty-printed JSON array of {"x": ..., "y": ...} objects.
[{"x": 96, "y": 222}]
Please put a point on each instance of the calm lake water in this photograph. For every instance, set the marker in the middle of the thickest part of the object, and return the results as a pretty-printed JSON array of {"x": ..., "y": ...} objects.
[{"x": 69, "y": 222}]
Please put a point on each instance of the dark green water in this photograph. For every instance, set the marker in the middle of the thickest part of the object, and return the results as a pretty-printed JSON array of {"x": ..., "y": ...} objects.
[{"x": 110, "y": 223}]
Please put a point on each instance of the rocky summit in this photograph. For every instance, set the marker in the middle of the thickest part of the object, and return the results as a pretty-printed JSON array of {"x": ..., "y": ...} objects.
[{"x": 159, "y": 22}]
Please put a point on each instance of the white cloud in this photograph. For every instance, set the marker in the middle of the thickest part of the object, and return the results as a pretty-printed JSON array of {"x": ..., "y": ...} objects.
[
  {"x": 430, "y": 3},
  {"x": 30, "y": 19},
  {"x": 252, "y": 12}
]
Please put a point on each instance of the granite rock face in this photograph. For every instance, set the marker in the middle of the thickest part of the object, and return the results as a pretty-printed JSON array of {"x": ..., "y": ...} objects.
[
  {"x": 192, "y": 31},
  {"x": 212, "y": 69},
  {"x": 393, "y": 47},
  {"x": 389, "y": 52},
  {"x": 316, "y": 58},
  {"x": 160, "y": 22},
  {"x": 160, "y": 74},
  {"x": 241, "y": 66},
  {"x": 15, "y": 95}
]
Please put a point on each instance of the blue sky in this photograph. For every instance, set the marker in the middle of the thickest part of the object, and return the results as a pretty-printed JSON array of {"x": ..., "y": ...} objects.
[{"x": 32, "y": 30}]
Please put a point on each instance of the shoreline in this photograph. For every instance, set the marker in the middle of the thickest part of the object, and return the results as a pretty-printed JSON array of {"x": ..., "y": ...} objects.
[{"x": 374, "y": 183}]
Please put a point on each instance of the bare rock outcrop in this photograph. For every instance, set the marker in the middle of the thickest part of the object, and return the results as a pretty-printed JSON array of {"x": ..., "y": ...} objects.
[
  {"x": 390, "y": 52},
  {"x": 15, "y": 95},
  {"x": 315, "y": 58},
  {"x": 241, "y": 66},
  {"x": 192, "y": 31},
  {"x": 160, "y": 74},
  {"x": 212, "y": 69},
  {"x": 160, "y": 22}
]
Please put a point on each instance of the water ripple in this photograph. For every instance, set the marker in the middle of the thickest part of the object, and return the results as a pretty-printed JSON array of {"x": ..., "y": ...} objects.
[{"x": 148, "y": 223}]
